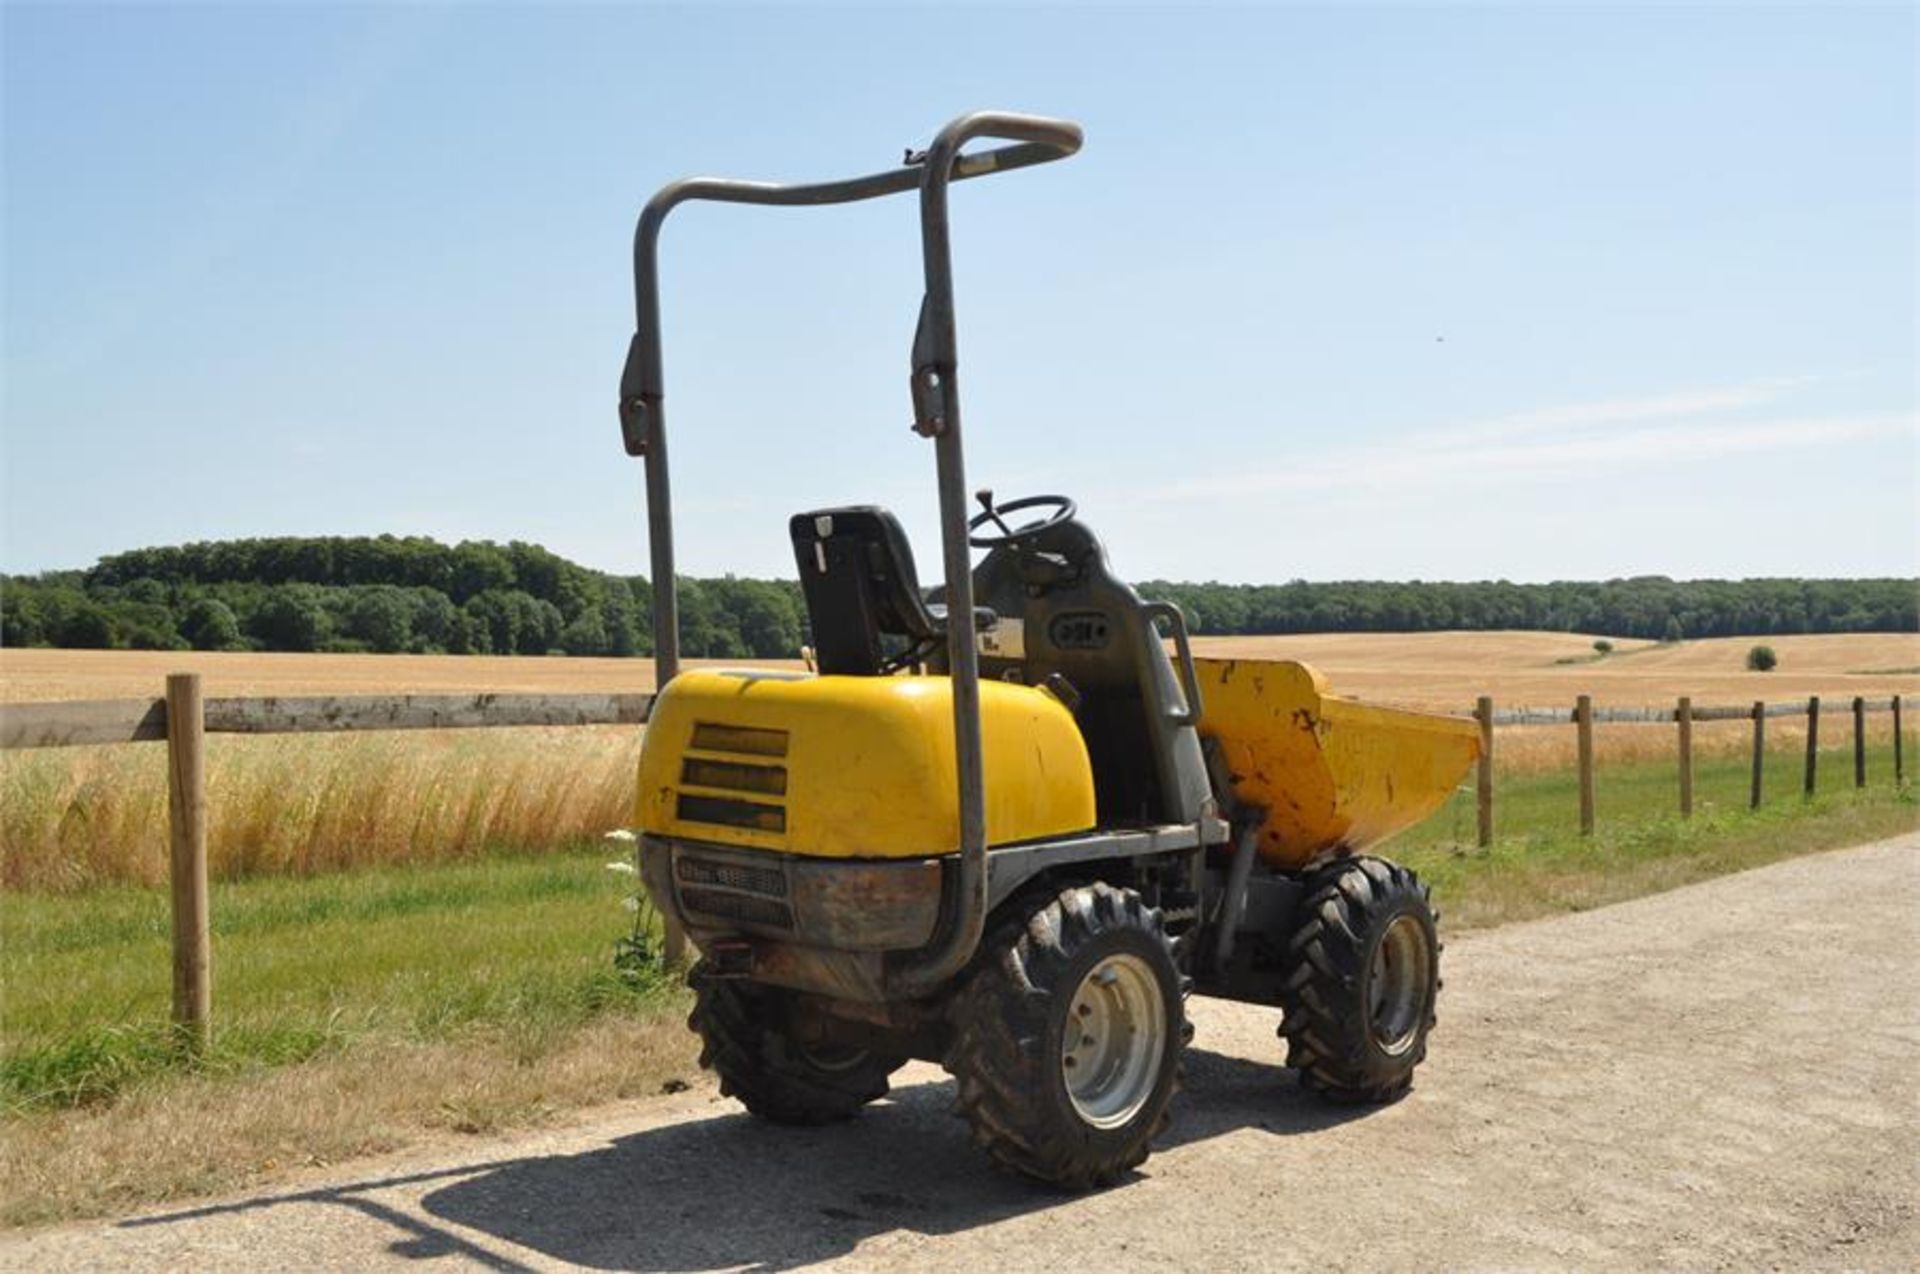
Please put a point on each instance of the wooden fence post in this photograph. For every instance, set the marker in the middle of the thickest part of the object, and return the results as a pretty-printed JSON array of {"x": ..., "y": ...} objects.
[
  {"x": 1483, "y": 785},
  {"x": 187, "y": 823},
  {"x": 1899, "y": 761},
  {"x": 1583, "y": 722},
  {"x": 1813, "y": 745},
  {"x": 1859, "y": 741},
  {"x": 1684, "y": 715},
  {"x": 1759, "y": 752}
]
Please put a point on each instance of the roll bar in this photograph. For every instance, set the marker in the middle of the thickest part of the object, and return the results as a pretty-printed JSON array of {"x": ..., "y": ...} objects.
[{"x": 936, "y": 406}]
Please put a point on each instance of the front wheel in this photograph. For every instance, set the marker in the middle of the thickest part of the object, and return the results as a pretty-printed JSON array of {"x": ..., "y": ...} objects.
[
  {"x": 1067, "y": 1036},
  {"x": 1363, "y": 975}
]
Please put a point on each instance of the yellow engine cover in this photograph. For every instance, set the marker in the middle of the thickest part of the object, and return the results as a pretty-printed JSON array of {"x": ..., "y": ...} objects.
[{"x": 852, "y": 767}]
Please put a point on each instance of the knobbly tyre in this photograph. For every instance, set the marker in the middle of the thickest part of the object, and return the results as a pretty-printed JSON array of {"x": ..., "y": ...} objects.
[{"x": 999, "y": 827}]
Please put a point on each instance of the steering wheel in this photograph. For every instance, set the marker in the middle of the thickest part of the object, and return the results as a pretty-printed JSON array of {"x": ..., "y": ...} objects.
[{"x": 1061, "y": 510}]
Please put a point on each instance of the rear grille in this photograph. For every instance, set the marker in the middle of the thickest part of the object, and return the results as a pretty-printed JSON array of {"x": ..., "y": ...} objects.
[
  {"x": 740, "y": 783},
  {"x": 736, "y": 891},
  {"x": 760, "y": 880},
  {"x": 726, "y": 906}
]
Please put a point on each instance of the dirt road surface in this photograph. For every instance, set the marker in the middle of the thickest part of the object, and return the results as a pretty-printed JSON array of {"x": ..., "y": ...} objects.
[{"x": 1726, "y": 1076}]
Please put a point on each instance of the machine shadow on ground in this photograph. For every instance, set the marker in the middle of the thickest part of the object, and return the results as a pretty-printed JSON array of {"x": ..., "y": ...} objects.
[
  {"x": 732, "y": 1192},
  {"x": 729, "y": 1191}
]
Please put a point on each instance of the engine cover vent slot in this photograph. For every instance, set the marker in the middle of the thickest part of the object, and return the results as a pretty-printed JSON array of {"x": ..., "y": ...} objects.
[
  {"x": 723, "y": 812},
  {"x": 734, "y": 776},
  {"x": 714, "y": 736}
]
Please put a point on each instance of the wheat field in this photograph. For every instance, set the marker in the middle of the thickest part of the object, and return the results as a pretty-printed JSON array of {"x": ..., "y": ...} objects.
[
  {"x": 1446, "y": 672},
  {"x": 1441, "y": 672},
  {"x": 70, "y": 818}
]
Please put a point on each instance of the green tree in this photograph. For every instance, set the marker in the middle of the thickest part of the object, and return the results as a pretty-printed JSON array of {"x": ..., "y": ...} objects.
[
  {"x": 470, "y": 635},
  {"x": 382, "y": 617},
  {"x": 490, "y": 621},
  {"x": 585, "y": 635},
  {"x": 84, "y": 625},
  {"x": 1762, "y": 659},
  {"x": 21, "y": 622},
  {"x": 616, "y": 605},
  {"x": 479, "y": 567},
  {"x": 145, "y": 626},
  {"x": 210, "y": 624},
  {"x": 436, "y": 624},
  {"x": 764, "y": 615},
  {"x": 291, "y": 617}
]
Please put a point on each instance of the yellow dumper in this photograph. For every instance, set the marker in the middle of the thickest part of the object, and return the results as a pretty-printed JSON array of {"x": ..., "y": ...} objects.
[
  {"x": 1330, "y": 774},
  {"x": 1000, "y": 825}
]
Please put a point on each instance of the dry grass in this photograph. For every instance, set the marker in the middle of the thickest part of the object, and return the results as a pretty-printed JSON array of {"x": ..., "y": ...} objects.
[
  {"x": 70, "y": 818},
  {"x": 75, "y": 817},
  {"x": 204, "y": 1134}
]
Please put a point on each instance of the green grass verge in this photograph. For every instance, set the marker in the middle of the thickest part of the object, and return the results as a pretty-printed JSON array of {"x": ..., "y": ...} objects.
[
  {"x": 517, "y": 946},
  {"x": 522, "y": 949},
  {"x": 1539, "y": 863}
]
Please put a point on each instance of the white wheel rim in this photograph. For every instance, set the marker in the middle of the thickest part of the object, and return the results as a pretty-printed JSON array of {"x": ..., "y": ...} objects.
[
  {"x": 1111, "y": 1046},
  {"x": 1397, "y": 985}
]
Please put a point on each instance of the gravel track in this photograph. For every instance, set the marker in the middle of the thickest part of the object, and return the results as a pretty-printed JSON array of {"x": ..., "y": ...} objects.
[{"x": 1724, "y": 1076}]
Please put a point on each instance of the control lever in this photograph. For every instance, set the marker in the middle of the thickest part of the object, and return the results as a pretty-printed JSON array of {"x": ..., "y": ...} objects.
[{"x": 985, "y": 496}]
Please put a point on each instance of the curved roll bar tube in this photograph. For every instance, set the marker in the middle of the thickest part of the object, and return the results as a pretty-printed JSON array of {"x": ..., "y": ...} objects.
[{"x": 936, "y": 399}]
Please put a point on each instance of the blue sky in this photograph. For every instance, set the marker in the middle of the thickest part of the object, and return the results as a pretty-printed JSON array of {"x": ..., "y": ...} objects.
[{"x": 1446, "y": 293}]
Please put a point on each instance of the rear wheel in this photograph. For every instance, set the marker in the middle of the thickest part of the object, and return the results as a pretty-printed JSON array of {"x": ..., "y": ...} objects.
[
  {"x": 1067, "y": 1036},
  {"x": 751, "y": 1041},
  {"x": 1363, "y": 976}
]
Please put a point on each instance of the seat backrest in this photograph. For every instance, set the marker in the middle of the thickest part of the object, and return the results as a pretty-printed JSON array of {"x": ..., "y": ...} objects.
[
  {"x": 856, "y": 570},
  {"x": 1081, "y": 621}
]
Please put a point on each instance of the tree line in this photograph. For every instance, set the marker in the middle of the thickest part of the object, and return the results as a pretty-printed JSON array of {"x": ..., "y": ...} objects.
[
  {"x": 384, "y": 594},
  {"x": 1650, "y": 606},
  {"x": 409, "y": 593}
]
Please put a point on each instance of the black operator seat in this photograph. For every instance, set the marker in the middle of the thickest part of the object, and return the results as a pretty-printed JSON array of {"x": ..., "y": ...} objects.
[{"x": 856, "y": 570}]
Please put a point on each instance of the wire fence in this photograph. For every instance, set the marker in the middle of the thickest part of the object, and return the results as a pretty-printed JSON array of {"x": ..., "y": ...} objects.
[{"x": 1684, "y": 715}]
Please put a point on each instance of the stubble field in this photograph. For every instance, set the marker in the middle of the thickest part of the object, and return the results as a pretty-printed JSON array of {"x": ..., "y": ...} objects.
[{"x": 1442, "y": 672}]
